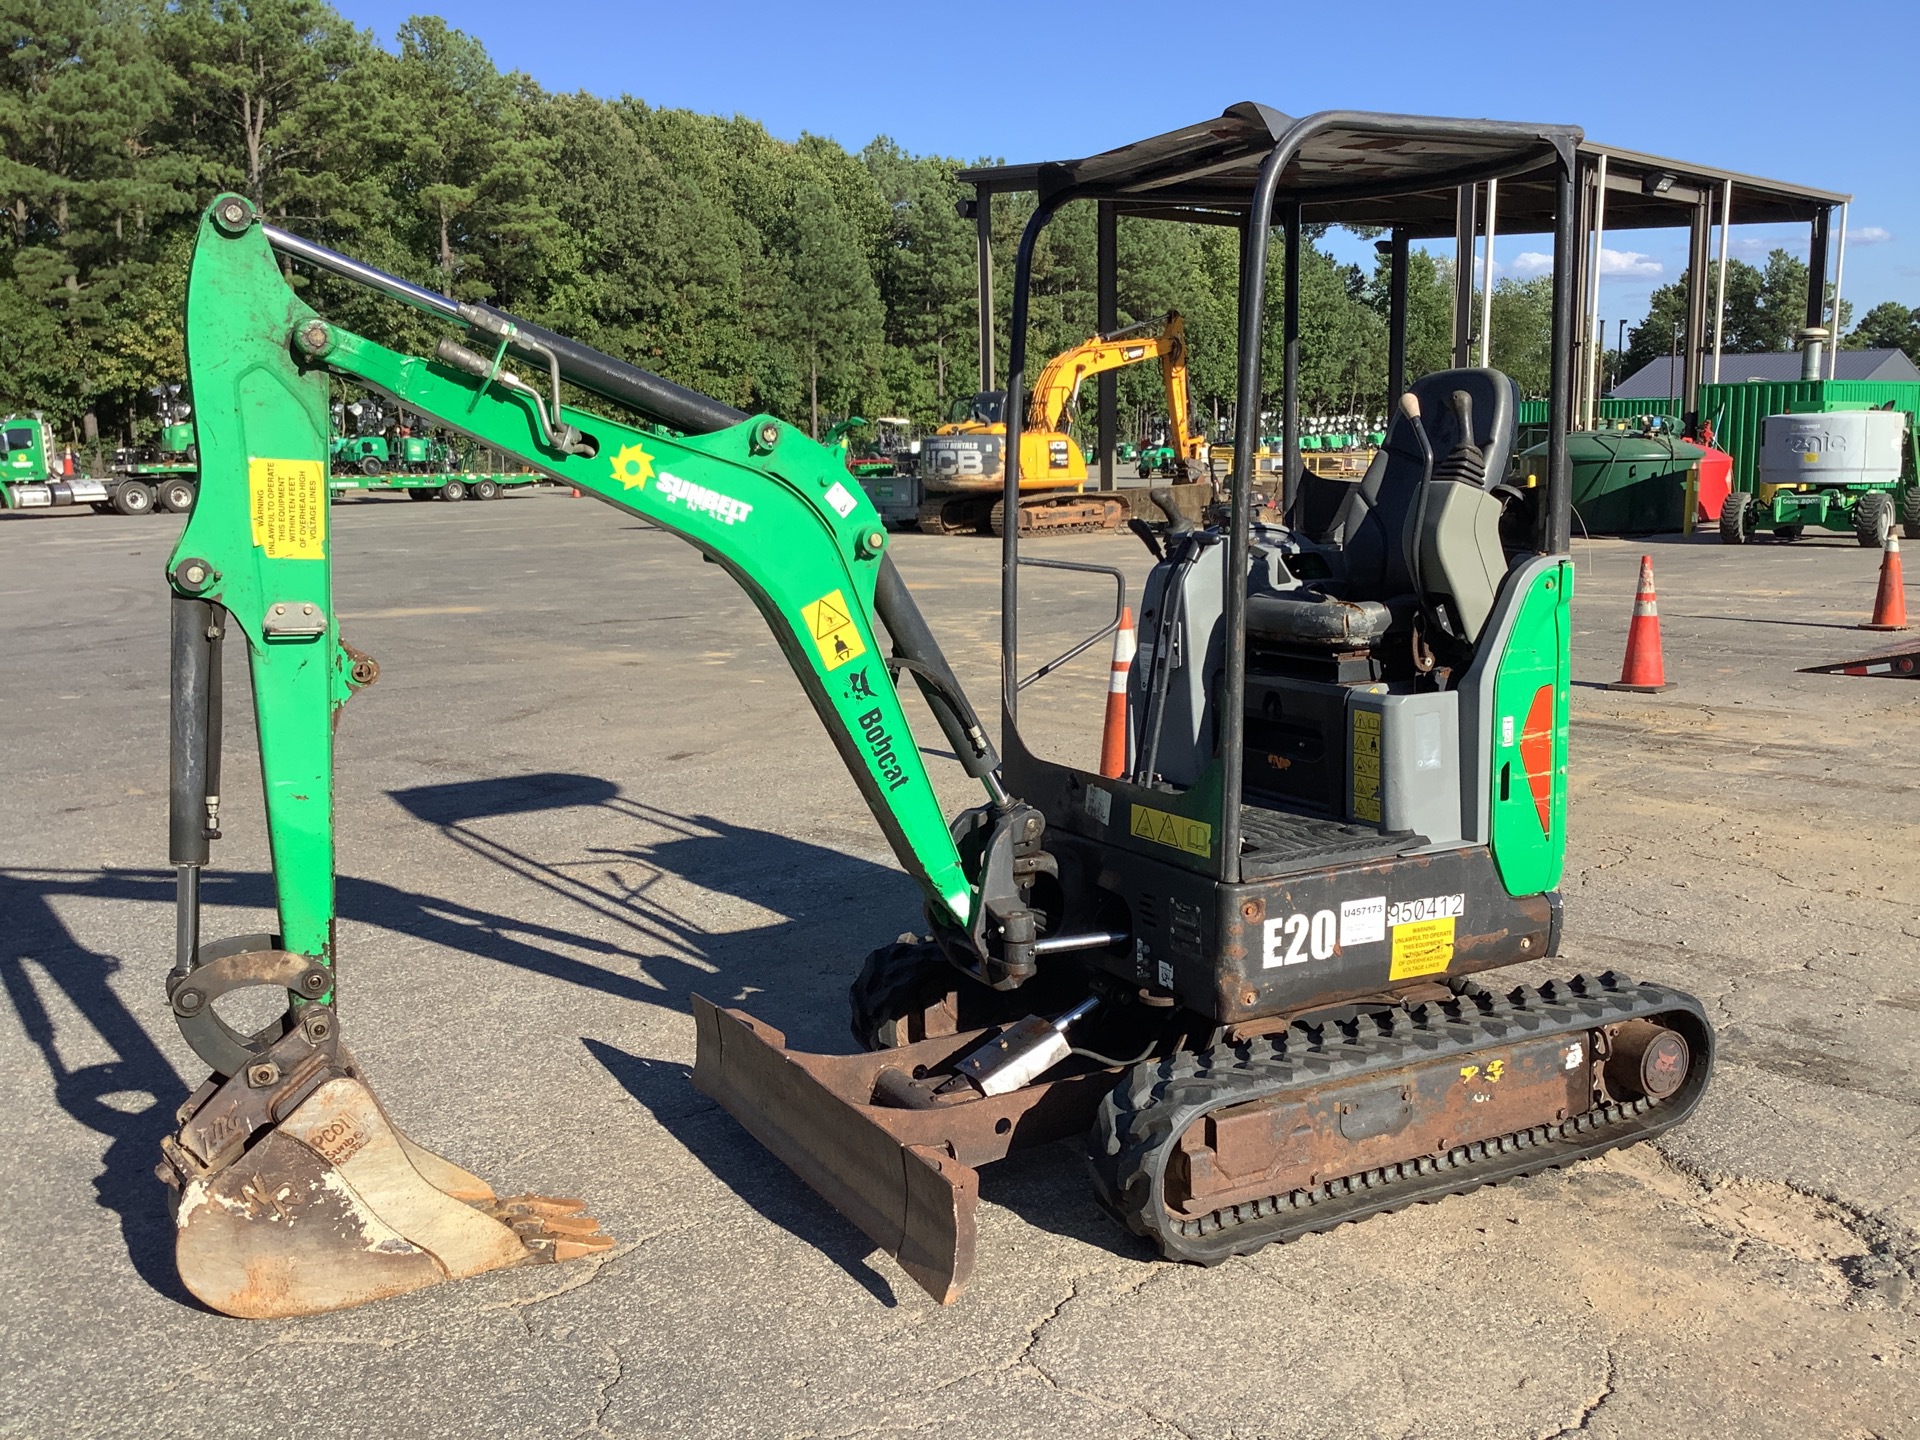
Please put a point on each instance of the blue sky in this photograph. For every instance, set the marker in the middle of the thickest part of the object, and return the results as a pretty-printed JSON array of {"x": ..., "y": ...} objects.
[{"x": 1819, "y": 94}]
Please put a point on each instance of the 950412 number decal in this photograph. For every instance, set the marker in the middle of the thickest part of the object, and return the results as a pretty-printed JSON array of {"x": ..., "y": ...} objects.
[
  {"x": 1432, "y": 907},
  {"x": 1319, "y": 934}
]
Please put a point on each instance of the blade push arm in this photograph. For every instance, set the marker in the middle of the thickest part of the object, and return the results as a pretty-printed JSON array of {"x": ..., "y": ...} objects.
[{"x": 760, "y": 498}]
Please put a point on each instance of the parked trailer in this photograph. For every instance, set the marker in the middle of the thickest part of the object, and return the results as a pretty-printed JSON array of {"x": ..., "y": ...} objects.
[
  {"x": 443, "y": 485},
  {"x": 32, "y": 478}
]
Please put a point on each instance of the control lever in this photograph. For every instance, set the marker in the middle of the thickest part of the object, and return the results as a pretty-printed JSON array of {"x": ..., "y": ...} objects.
[{"x": 1177, "y": 523}]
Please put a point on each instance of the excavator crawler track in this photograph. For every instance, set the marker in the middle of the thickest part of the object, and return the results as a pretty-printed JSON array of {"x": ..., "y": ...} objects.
[
  {"x": 1337, "y": 1111},
  {"x": 1063, "y": 514}
]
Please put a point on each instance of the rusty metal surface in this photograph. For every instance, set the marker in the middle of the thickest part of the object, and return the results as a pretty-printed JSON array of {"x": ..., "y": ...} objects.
[
  {"x": 904, "y": 1176},
  {"x": 312, "y": 1200},
  {"x": 1296, "y": 1140}
]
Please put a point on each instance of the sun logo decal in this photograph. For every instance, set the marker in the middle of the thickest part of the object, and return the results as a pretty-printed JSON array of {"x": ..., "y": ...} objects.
[{"x": 633, "y": 467}]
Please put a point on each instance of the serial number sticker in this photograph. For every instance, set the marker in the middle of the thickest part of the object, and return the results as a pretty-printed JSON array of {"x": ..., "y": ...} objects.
[
  {"x": 1421, "y": 947},
  {"x": 834, "y": 634},
  {"x": 1100, "y": 804},
  {"x": 1193, "y": 836},
  {"x": 1166, "y": 974},
  {"x": 1433, "y": 907},
  {"x": 287, "y": 502},
  {"x": 841, "y": 499},
  {"x": 1363, "y": 922}
]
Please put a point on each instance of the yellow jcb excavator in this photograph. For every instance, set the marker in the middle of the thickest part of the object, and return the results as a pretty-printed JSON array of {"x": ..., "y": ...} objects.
[{"x": 963, "y": 464}]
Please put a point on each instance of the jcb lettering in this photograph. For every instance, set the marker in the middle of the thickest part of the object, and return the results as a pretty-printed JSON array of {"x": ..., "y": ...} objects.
[
  {"x": 1296, "y": 939},
  {"x": 958, "y": 462}
]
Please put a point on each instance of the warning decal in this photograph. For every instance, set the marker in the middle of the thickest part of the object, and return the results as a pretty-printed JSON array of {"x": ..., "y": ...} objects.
[
  {"x": 834, "y": 634},
  {"x": 1366, "y": 765},
  {"x": 288, "y": 503},
  {"x": 1193, "y": 836},
  {"x": 1421, "y": 947}
]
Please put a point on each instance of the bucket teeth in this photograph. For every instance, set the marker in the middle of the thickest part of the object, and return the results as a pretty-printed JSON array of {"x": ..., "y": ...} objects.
[{"x": 332, "y": 1206}]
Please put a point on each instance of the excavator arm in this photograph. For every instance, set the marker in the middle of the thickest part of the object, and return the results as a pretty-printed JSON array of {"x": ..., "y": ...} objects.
[
  {"x": 297, "y": 1192},
  {"x": 1059, "y": 383}
]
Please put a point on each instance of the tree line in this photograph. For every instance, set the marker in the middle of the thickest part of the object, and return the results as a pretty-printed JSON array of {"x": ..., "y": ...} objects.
[
  {"x": 798, "y": 278},
  {"x": 793, "y": 277}
]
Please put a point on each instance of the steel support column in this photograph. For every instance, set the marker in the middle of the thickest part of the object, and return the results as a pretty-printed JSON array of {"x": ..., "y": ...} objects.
[
  {"x": 1817, "y": 268},
  {"x": 1396, "y": 317},
  {"x": 1463, "y": 228},
  {"x": 983, "y": 245},
  {"x": 1108, "y": 305},
  {"x": 1699, "y": 235},
  {"x": 1720, "y": 278}
]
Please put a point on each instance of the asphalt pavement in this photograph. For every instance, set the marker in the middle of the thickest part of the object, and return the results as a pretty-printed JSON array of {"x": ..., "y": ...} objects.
[{"x": 586, "y": 785}]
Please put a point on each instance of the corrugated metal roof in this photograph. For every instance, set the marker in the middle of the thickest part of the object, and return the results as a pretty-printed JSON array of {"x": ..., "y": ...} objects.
[
  {"x": 1660, "y": 378},
  {"x": 1206, "y": 172}
]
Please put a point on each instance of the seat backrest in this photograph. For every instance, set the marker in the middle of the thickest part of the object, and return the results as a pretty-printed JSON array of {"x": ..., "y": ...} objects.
[{"x": 1371, "y": 530}]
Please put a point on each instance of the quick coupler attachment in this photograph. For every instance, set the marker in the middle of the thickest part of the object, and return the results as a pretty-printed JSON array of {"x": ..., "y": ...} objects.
[{"x": 296, "y": 1192}]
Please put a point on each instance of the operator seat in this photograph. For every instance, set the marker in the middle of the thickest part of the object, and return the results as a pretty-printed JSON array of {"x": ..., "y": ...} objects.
[{"x": 1369, "y": 543}]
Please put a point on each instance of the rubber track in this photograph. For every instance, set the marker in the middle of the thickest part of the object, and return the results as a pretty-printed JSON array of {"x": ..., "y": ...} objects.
[{"x": 1144, "y": 1116}]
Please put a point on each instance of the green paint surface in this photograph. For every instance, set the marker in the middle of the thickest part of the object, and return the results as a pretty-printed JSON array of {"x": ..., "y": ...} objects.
[
  {"x": 1529, "y": 856},
  {"x": 776, "y": 509}
]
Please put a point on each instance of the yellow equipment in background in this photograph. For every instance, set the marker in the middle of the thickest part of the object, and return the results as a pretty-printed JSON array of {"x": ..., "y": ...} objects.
[{"x": 963, "y": 464}]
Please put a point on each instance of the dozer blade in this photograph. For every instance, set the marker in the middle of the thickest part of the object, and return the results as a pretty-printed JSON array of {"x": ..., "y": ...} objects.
[
  {"x": 905, "y": 1176},
  {"x": 333, "y": 1206}
]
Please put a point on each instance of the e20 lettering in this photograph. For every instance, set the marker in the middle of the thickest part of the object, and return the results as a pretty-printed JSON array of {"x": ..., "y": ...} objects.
[{"x": 1296, "y": 939}]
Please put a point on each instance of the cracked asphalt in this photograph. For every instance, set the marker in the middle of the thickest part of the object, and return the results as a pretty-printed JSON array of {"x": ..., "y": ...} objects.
[{"x": 586, "y": 785}]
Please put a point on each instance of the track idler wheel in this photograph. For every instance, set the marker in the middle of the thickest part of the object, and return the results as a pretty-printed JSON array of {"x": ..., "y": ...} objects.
[{"x": 297, "y": 1193}]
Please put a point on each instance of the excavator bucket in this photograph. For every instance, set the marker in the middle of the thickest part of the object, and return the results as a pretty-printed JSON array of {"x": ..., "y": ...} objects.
[
  {"x": 331, "y": 1206},
  {"x": 849, "y": 1126}
]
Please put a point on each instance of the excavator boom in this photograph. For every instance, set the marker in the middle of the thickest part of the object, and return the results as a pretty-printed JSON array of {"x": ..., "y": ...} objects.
[{"x": 297, "y": 1193}]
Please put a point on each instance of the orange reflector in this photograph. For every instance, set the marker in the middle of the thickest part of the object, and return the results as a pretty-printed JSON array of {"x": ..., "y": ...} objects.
[{"x": 1536, "y": 754}]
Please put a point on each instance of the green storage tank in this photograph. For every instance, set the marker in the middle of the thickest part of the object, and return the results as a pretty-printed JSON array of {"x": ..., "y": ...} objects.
[{"x": 1624, "y": 482}]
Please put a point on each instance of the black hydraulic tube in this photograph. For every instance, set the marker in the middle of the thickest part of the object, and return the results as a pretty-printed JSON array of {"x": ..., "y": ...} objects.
[
  {"x": 913, "y": 640},
  {"x": 590, "y": 369},
  {"x": 1557, "y": 536},
  {"x": 1246, "y": 439},
  {"x": 1290, "y": 384},
  {"x": 193, "y": 780},
  {"x": 1014, "y": 412}
]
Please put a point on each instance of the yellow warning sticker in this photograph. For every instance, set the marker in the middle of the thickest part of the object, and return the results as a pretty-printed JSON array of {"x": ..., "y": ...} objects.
[
  {"x": 288, "y": 502},
  {"x": 1193, "y": 836},
  {"x": 1366, "y": 765},
  {"x": 834, "y": 634},
  {"x": 1421, "y": 947}
]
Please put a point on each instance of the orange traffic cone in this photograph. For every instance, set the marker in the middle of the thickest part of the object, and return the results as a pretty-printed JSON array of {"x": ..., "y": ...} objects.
[
  {"x": 1113, "y": 740},
  {"x": 1644, "y": 670},
  {"x": 1890, "y": 605}
]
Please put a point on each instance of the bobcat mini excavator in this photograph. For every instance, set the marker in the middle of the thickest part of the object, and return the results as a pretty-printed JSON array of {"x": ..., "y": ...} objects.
[
  {"x": 963, "y": 464},
  {"x": 1243, "y": 969}
]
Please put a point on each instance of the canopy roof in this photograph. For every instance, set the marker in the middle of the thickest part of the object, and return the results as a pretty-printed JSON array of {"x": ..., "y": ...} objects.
[{"x": 1360, "y": 168}]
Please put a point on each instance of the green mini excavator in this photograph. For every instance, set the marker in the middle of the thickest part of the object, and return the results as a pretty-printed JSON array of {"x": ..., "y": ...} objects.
[{"x": 1243, "y": 968}]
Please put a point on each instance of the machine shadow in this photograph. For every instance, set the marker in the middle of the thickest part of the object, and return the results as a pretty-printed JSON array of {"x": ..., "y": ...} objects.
[
  {"x": 736, "y": 1160},
  {"x": 130, "y": 1099},
  {"x": 782, "y": 967},
  {"x": 813, "y": 888}
]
